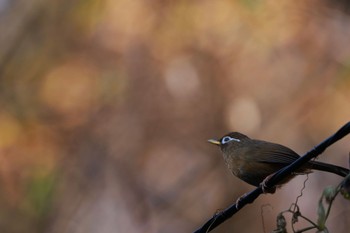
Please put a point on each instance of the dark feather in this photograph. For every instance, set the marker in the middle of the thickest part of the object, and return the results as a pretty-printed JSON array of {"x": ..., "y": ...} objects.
[{"x": 275, "y": 153}]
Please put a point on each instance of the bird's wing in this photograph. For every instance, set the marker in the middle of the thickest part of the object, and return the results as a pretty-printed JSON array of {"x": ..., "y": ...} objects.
[{"x": 275, "y": 153}]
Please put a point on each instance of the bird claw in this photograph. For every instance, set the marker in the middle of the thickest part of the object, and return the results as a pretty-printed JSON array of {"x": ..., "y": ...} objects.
[
  {"x": 239, "y": 200},
  {"x": 264, "y": 187}
]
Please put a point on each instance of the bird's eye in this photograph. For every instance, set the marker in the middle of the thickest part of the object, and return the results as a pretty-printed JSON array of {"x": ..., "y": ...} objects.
[{"x": 227, "y": 139}]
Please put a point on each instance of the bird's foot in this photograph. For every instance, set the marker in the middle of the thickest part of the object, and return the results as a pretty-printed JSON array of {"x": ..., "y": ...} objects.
[
  {"x": 239, "y": 200},
  {"x": 264, "y": 187}
]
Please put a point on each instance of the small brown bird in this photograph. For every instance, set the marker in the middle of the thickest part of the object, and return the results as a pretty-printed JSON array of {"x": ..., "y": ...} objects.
[{"x": 254, "y": 160}]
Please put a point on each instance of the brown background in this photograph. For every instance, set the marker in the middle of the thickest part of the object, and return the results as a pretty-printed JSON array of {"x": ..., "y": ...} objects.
[{"x": 106, "y": 106}]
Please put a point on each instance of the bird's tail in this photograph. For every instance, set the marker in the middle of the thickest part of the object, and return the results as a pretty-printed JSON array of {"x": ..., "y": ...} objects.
[{"x": 341, "y": 171}]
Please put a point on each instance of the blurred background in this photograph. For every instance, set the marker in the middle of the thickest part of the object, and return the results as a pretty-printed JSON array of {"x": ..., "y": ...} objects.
[{"x": 106, "y": 106}]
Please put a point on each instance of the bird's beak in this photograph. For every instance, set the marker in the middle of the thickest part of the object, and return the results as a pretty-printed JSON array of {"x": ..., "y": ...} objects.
[{"x": 213, "y": 141}]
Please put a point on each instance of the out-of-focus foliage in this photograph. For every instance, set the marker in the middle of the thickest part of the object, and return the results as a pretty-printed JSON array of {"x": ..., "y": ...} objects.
[{"x": 106, "y": 107}]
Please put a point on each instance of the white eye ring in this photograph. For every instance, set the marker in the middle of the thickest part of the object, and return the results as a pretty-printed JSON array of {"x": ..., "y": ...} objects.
[{"x": 227, "y": 139}]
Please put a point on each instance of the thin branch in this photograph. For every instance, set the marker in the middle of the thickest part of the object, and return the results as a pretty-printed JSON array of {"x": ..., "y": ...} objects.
[{"x": 221, "y": 217}]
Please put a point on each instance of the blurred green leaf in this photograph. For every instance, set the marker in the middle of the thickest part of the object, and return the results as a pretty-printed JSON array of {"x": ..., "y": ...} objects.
[
  {"x": 281, "y": 224},
  {"x": 321, "y": 221},
  {"x": 329, "y": 193},
  {"x": 251, "y": 4},
  {"x": 345, "y": 189},
  {"x": 40, "y": 193}
]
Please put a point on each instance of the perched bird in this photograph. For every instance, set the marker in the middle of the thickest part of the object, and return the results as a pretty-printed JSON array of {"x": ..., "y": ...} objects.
[{"x": 254, "y": 160}]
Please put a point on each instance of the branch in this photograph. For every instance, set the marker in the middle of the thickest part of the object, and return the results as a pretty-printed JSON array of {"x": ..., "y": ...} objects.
[{"x": 222, "y": 216}]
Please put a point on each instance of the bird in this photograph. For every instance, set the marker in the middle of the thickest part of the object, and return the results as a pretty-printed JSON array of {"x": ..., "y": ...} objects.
[{"x": 253, "y": 161}]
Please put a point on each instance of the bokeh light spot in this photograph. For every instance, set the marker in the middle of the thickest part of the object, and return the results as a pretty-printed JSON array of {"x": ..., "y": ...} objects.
[
  {"x": 181, "y": 79},
  {"x": 243, "y": 114},
  {"x": 71, "y": 90}
]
